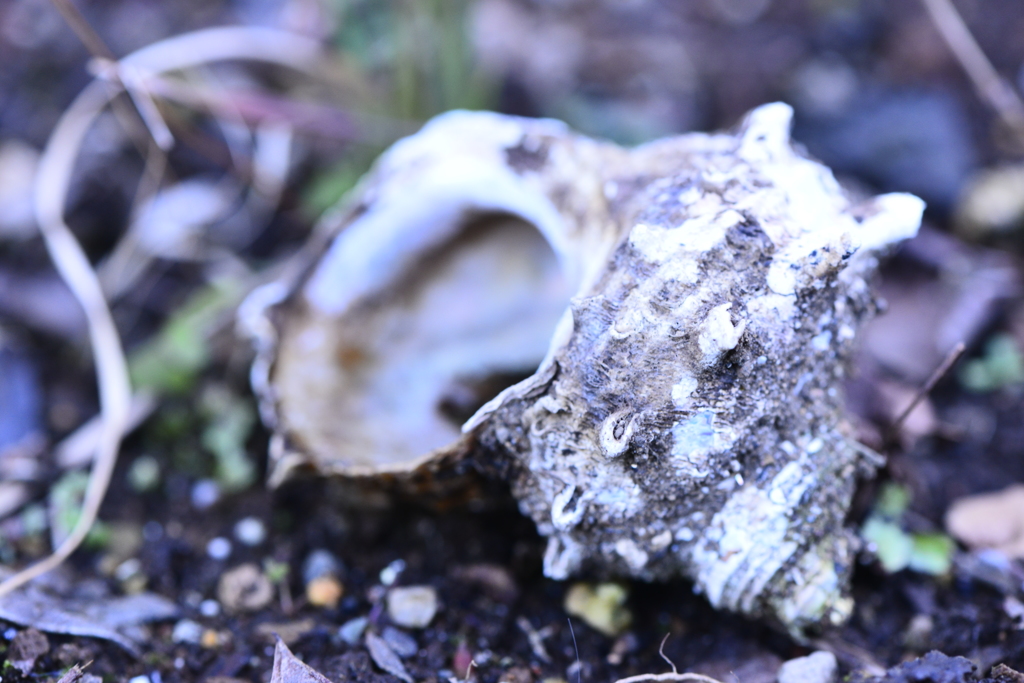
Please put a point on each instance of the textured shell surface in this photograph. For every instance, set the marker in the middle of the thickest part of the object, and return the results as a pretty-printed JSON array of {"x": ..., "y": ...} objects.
[{"x": 678, "y": 317}]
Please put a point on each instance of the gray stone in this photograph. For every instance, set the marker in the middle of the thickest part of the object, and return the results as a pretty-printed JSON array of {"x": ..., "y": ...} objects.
[{"x": 817, "y": 667}]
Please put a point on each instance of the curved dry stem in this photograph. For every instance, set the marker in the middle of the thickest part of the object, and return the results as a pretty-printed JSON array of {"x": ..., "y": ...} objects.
[
  {"x": 52, "y": 182},
  {"x": 999, "y": 94},
  {"x": 71, "y": 262},
  {"x": 661, "y": 651},
  {"x": 672, "y": 677}
]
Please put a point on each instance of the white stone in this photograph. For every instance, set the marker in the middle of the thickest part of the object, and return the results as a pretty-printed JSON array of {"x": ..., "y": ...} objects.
[
  {"x": 817, "y": 667},
  {"x": 412, "y": 606}
]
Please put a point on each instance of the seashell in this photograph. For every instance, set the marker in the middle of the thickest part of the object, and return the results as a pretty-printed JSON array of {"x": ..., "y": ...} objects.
[{"x": 673, "y": 321}]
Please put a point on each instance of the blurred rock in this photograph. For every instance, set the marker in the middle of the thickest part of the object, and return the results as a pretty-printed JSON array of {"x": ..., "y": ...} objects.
[
  {"x": 824, "y": 86},
  {"x": 992, "y": 203},
  {"x": 144, "y": 474},
  {"x": 903, "y": 140},
  {"x": 324, "y": 591},
  {"x": 990, "y": 520},
  {"x": 494, "y": 579},
  {"x": 321, "y": 572},
  {"x": 28, "y": 646},
  {"x": 939, "y": 291},
  {"x": 172, "y": 224},
  {"x": 20, "y": 394},
  {"x": 218, "y": 548},
  {"x": 412, "y": 606},
  {"x": 205, "y": 494},
  {"x": 817, "y": 667},
  {"x": 251, "y": 531},
  {"x": 320, "y": 562},
  {"x": 12, "y": 496},
  {"x": 918, "y": 635},
  {"x": 934, "y": 667},
  {"x": 187, "y": 631},
  {"x": 41, "y": 301},
  {"x": 760, "y": 667},
  {"x": 244, "y": 589},
  {"x": 18, "y": 162},
  {"x": 601, "y": 606},
  {"x": 516, "y": 674},
  {"x": 209, "y": 608},
  {"x": 631, "y": 84}
]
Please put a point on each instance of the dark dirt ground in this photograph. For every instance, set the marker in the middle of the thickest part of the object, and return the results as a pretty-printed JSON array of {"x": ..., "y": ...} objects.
[{"x": 912, "y": 122}]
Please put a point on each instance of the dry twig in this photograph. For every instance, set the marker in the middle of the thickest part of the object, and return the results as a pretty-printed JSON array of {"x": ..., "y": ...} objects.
[
  {"x": 936, "y": 375},
  {"x": 992, "y": 87},
  {"x": 674, "y": 676},
  {"x": 671, "y": 677},
  {"x": 52, "y": 183}
]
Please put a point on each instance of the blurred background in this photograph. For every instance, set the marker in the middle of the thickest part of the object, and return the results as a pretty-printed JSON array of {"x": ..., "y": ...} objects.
[
  {"x": 260, "y": 150},
  {"x": 184, "y": 209}
]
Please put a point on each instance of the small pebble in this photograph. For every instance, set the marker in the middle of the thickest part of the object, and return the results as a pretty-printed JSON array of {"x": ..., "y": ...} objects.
[
  {"x": 187, "y": 631},
  {"x": 352, "y": 630},
  {"x": 601, "y": 606},
  {"x": 324, "y": 591},
  {"x": 390, "y": 573},
  {"x": 139, "y": 679},
  {"x": 205, "y": 494},
  {"x": 412, "y": 606},
  {"x": 250, "y": 531},
  {"x": 244, "y": 589},
  {"x": 144, "y": 474},
  {"x": 219, "y": 548},
  {"x": 817, "y": 667},
  {"x": 152, "y": 531},
  {"x": 401, "y": 642},
  {"x": 211, "y": 639},
  {"x": 209, "y": 608},
  {"x": 319, "y": 563},
  {"x": 127, "y": 569}
]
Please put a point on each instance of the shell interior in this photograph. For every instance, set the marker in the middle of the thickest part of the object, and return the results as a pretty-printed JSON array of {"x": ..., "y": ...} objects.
[{"x": 394, "y": 374}]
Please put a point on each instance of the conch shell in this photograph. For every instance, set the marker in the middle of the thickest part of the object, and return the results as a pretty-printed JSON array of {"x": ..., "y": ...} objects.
[{"x": 673, "y": 320}]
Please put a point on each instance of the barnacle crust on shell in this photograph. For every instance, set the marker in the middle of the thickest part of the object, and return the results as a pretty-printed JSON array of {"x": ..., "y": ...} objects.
[{"x": 678, "y": 316}]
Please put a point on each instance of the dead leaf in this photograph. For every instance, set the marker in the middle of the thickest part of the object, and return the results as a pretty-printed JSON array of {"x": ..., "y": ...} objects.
[
  {"x": 990, "y": 520},
  {"x": 76, "y": 674},
  {"x": 51, "y": 604},
  {"x": 289, "y": 632},
  {"x": 494, "y": 579},
  {"x": 288, "y": 668},
  {"x": 386, "y": 658},
  {"x": 73, "y": 675},
  {"x": 944, "y": 292}
]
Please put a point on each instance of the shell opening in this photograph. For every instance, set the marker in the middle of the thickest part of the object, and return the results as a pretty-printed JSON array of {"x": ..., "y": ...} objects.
[{"x": 392, "y": 377}]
